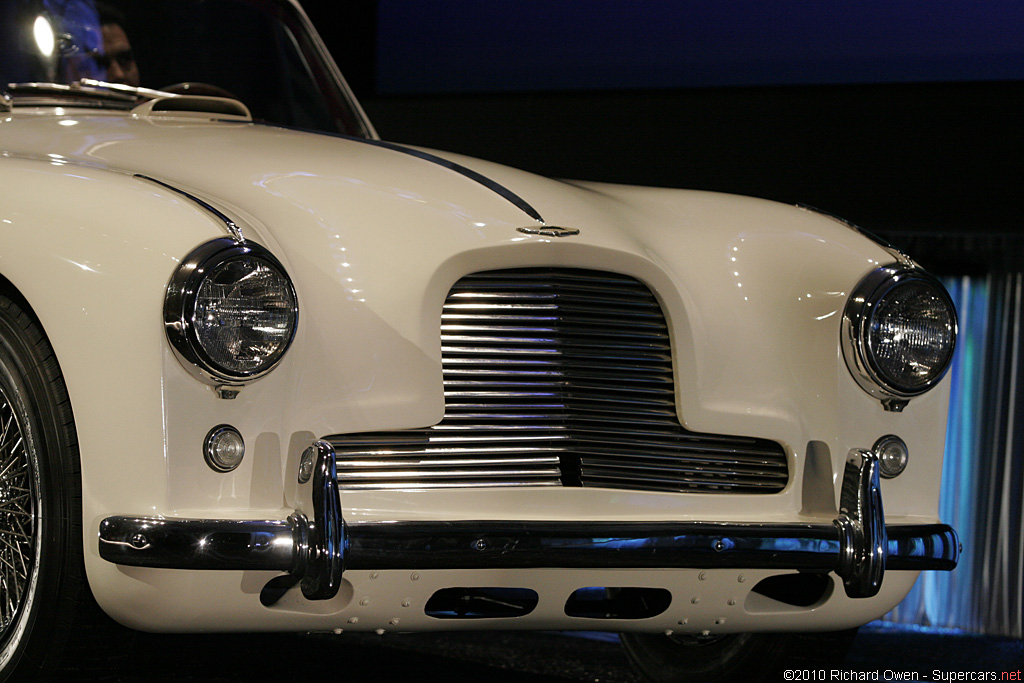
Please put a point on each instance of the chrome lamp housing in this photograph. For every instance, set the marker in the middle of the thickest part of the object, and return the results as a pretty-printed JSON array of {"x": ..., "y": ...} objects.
[
  {"x": 230, "y": 312},
  {"x": 899, "y": 333}
]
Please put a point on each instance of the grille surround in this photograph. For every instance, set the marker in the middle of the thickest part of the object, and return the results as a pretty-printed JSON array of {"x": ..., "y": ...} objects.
[{"x": 557, "y": 376}]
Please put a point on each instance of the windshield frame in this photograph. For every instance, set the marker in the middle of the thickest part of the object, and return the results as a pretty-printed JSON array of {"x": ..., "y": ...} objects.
[{"x": 331, "y": 73}]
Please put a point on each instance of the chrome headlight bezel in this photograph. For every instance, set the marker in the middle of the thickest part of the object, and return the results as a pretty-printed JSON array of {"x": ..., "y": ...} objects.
[
  {"x": 180, "y": 310},
  {"x": 876, "y": 288}
]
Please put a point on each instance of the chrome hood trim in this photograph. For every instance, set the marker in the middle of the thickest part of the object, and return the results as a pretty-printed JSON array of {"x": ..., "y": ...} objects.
[
  {"x": 229, "y": 225},
  {"x": 489, "y": 183}
]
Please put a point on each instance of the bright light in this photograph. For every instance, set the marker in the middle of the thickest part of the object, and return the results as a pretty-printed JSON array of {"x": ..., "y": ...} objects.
[{"x": 46, "y": 41}]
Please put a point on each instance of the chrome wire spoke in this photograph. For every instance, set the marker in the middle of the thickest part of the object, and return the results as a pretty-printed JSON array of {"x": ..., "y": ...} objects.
[
  {"x": 5, "y": 423},
  {"x": 12, "y": 456},
  {"x": 7, "y": 565},
  {"x": 18, "y": 536},
  {"x": 14, "y": 505},
  {"x": 12, "y": 583},
  {"x": 18, "y": 526},
  {"x": 9, "y": 548}
]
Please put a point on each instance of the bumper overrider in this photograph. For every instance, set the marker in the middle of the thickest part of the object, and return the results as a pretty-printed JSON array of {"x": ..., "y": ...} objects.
[{"x": 857, "y": 545}]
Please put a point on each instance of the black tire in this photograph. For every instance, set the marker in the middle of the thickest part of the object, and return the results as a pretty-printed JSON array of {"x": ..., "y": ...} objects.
[
  {"x": 741, "y": 657},
  {"x": 42, "y": 585}
]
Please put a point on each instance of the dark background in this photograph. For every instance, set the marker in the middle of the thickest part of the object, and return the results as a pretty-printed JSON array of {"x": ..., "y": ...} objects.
[{"x": 902, "y": 117}]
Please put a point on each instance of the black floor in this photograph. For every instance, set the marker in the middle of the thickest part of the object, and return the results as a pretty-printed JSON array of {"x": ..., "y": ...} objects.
[{"x": 505, "y": 657}]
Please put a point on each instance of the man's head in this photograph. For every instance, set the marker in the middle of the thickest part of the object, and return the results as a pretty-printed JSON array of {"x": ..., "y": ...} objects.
[{"x": 117, "y": 57}]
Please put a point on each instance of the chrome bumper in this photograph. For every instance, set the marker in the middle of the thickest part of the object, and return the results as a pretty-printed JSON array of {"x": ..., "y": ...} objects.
[{"x": 858, "y": 545}]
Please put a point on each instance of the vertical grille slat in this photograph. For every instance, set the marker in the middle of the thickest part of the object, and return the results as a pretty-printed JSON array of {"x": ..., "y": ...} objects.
[{"x": 557, "y": 377}]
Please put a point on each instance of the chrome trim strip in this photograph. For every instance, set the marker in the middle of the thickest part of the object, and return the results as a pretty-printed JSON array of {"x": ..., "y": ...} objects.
[
  {"x": 50, "y": 94},
  {"x": 202, "y": 543},
  {"x": 486, "y": 544},
  {"x": 893, "y": 250},
  {"x": 231, "y": 226},
  {"x": 857, "y": 546},
  {"x": 924, "y": 546},
  {"x": 490, "y": 184},
  {"x": 630, "y": 545},
  {"x": 132, "y": 91},
  {"x": 550, "y": 231}
]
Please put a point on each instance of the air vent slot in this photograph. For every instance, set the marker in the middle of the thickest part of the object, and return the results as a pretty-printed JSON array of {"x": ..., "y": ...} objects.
[
  {"x": 599, "y": 602},
  {"x": 795, "y": 590},
  {"x": 194, "y": 106},
  {"x": 481, "y": 603}
]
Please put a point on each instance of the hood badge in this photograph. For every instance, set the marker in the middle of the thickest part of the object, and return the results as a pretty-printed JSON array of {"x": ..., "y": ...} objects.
[{"x": 550, "y": 231}]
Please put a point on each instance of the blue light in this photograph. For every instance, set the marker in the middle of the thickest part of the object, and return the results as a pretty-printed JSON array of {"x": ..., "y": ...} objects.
[{"x": 980, "y": 476}]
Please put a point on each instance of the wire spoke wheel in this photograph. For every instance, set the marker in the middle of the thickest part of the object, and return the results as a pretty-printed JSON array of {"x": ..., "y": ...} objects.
[
  {"x": 19, "y": 518},
  {"x": 46, "y": 609}
]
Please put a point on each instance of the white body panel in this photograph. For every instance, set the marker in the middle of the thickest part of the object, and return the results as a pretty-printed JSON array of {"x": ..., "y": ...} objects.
[{"x": 753, "y": 293}]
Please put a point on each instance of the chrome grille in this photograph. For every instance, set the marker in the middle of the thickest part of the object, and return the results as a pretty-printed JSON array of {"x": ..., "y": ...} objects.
[{"x": 557, "y": 377}]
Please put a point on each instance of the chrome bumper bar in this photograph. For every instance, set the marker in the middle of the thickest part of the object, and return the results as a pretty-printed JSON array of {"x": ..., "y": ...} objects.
[{"x": 858, "y": 545}]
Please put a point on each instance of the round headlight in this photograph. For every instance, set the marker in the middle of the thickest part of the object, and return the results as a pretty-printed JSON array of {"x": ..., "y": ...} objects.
[
  {"x": 899, "y": 332},
  {"x": 230, "y": 311}
]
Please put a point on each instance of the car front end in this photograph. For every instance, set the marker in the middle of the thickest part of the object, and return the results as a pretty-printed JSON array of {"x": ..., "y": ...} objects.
[{"x": 321, "y": 382}]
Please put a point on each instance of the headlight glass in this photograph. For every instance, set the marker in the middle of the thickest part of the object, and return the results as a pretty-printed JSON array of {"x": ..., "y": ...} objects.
[
  {"x": 899, "y": 332},
  {"x": 910, "y": 336},
  {"x": 244, "y": 315},
  {"x": 231, "y": 311}
]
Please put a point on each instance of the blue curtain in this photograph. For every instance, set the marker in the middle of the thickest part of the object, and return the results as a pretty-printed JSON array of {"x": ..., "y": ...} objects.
[{"x": 984, "y": 467}]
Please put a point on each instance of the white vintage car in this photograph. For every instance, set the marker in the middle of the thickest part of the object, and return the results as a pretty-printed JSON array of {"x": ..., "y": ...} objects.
[{"x": 261, "y": 371}]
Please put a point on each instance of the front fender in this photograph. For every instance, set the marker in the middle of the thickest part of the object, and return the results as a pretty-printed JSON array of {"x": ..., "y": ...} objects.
[{"x": 91, "y": 251}]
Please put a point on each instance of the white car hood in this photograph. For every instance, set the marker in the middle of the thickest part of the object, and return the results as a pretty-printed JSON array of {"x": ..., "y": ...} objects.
[{"x": 375, "y": 236}]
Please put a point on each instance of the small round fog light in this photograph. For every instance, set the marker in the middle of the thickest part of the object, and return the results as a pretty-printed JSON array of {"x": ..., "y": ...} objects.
[
  {"x": 223, "y": 448},
  {"x": 892, "y": 455}
]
